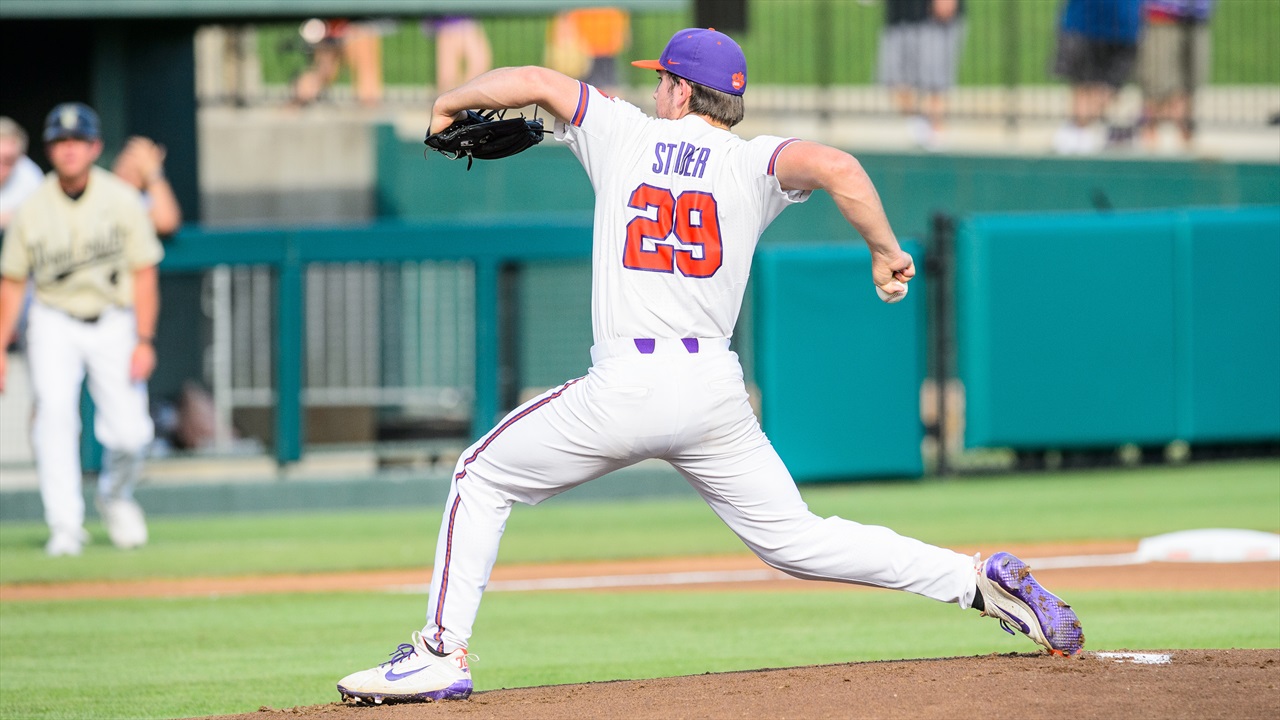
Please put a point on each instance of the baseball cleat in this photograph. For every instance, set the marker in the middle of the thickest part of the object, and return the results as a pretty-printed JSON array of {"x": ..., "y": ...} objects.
[
  {"x": 64, "y": 543},
  {"x": 413, "y": 674},
  {"x": 1013, "y": 597},
  {"x": 126, "y": 525}
]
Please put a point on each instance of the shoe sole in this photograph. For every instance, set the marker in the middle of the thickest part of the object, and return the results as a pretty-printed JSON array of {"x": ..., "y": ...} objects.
[
  {"x": 1058, "y": 622},
  {"x": 460, "y": 690}
]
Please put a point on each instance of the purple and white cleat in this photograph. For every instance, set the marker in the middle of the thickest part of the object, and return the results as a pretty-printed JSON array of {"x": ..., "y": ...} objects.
[
  {"x": 414, "y": 674},
  {"x": 1013, "y": 597}
]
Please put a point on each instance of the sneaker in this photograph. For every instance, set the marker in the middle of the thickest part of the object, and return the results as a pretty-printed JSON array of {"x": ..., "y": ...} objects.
[
  {"x": 1013, "y": 597},
  {"x": 922, "y": 133},
  {"x": 1067, "y": 140},
  {"x": 414, "y": 674},
  {"x": 66, "y": 544},
  {"x": 126, "y": 525}
]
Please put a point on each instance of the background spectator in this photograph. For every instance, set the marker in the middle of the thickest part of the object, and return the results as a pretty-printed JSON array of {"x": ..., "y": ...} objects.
[
  {"x": 333, "y": 42},
  {"x": 19, "y": 177},
  {"x": 604, "y": 33},
  {"x": 565, "y": 52},
  {"x": 19, "y": 174},
  {"x": 585, "y": 44},
  {"x": 1173, "y": 60},
  {"x": 919, "y": 55},
  {"x": 462, "y": 50},
  {"x": 141, "y": 164},
  {"x": 1097, "y": 49}
]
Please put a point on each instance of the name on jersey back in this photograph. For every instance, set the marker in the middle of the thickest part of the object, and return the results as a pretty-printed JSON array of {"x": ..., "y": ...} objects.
[{"x": 680, "y": 159}]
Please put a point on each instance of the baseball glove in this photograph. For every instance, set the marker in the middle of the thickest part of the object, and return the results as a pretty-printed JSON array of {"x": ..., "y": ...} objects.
[{"x": 486, "y": 136}]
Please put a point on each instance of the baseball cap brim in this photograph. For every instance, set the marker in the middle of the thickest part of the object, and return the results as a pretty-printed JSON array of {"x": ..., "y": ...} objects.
[
  {"x": 648, "y": 64},
  {"x": 56, "y": 135}
]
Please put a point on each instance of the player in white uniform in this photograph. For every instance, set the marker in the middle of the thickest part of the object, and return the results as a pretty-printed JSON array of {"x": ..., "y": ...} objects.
[
  {"x": 84, "y": 238},
  {"x": 680, "y": 204}
]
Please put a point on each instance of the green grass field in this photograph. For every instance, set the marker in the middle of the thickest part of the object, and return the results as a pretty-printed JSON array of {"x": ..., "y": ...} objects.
[
  {"x": 1127, "y": 504},
  {"x": 198, "y": 656}
]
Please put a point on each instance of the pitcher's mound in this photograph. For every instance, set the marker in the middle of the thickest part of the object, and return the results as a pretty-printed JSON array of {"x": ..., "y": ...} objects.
[{"x": 1159, "y": 684}]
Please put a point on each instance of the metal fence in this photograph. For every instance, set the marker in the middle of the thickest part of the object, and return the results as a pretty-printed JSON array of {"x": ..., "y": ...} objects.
[
  {"x": 399, "y": 338},
  {"x": 814, "y": 55}
]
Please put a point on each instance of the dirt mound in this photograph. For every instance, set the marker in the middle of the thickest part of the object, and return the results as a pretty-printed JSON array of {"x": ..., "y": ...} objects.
[{"x": 1190, "y": 684}]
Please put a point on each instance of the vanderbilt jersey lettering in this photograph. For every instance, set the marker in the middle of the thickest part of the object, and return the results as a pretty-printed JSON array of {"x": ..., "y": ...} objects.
[{"x": 81, "y": 253}]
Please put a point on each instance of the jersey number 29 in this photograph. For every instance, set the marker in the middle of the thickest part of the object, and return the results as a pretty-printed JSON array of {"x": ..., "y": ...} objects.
[{"x": 696, "y": 225}]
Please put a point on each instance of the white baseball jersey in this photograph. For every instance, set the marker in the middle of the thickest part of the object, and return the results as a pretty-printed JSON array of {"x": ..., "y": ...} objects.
[
  {"x": 82, "y": 254},
  {"x": 680, "y": 205}
]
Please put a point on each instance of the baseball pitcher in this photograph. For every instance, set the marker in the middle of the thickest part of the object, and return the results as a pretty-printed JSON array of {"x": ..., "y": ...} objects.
[{"x": 680, "y": 204}]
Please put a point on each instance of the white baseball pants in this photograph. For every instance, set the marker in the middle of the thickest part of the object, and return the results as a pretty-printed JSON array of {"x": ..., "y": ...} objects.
[
  {"x": 61, "y": 349},
  {"x": 683, "y": 401}
]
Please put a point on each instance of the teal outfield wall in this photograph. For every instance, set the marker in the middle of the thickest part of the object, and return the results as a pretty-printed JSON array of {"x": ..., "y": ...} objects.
[
  {"x": 839, "y": 371},
  {"x": 548, "y": 179},
  {"x": 1088, "y": 330}
]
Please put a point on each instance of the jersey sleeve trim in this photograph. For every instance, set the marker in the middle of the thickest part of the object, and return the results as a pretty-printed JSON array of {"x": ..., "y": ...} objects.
[
  {"x": 581, "y": 112},
  {"x": 773, "y": 159}
]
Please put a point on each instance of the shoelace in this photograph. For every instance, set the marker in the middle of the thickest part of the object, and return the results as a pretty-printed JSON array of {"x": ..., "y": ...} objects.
[{"x": 404, "y": 652}]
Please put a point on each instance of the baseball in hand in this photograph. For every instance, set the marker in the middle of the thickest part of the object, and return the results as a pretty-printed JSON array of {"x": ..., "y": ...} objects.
[{"x": 892, "y": 291}]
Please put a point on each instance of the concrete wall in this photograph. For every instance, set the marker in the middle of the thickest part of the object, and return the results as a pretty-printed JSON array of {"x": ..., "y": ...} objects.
[{"x": 297, "y": 166}]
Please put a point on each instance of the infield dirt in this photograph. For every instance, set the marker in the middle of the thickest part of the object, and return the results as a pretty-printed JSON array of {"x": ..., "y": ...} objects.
[{"x": 1194, "y": 684}]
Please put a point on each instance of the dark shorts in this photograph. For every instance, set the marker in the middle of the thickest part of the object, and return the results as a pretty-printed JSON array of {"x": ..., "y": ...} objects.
[
  {"x": 603, "y": 72},
  {"x": 1085, "y": 61}
]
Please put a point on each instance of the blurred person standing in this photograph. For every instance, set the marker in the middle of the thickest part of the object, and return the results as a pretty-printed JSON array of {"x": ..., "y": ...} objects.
[
  {"x": 604, "y": 33},
  {"x": 333, "y": 42},
  {"x": 1097, "y": 50},
  {"x": 564, "y": 51},
  {"x": 85, "y": 240},
  {"x": 919, "y": 56},
  {"x": 19, "y": 174},
  {"x": 141, "y": 164},
  {"x": 462, "y": 50},
  {"x": 1173, "y": 61}
]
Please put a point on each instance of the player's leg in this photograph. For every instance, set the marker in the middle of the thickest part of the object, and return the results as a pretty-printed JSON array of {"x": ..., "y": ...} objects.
[
  {"x": 726, "y": 457},
  {"x": 751, "y": 490},
  {"x": 57, "y": 373},
  {"x": 745, "y": 482},
  {"x": 542, "y": 448},
  {"x": 122, "y": 423}
]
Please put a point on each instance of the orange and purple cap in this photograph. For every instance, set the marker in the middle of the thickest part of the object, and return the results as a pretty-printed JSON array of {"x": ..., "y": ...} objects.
[{"x": 706, "y": 57}]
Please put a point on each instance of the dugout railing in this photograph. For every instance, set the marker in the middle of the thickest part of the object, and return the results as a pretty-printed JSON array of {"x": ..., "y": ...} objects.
[{"x": 288, "y": 256}]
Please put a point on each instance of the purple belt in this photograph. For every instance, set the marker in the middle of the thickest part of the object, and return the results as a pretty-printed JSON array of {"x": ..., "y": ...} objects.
[{"x": 646, "y": 345}]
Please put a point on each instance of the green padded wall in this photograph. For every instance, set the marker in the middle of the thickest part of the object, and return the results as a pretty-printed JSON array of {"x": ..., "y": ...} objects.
[
  {"x": 1089, "y": 330},
  {"x": 1230, "y": 316},
  {"x": 1065, "y": 333},
  {"x": 839, "y": 371}
]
